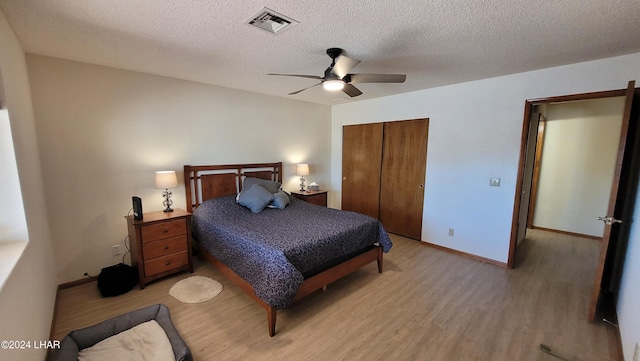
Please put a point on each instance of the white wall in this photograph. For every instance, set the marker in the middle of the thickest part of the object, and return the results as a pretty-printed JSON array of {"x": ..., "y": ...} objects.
[
  {"x": 103, "y": 132},
  {"x": 578, "y": 160},
  {"x": 28, "y": 296},
  {"x": 474, "y": 133}
]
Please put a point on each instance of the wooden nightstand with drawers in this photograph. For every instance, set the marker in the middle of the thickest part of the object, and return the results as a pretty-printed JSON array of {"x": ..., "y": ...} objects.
[
  {"x": 160, "y": 244},
  {"x": 315, "y": 197}
]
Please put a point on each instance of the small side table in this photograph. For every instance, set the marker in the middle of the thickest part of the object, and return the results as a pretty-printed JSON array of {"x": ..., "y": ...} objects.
[
  {"x": 315, "y": 197},
  {"x": 160, "y": 244}
]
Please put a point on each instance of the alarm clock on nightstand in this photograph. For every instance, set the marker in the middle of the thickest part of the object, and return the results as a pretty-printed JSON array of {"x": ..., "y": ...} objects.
[{"x": 137, "y": 208}]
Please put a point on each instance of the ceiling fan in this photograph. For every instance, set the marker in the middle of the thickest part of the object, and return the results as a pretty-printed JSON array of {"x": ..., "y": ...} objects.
[{"x": 337, "y": 77}]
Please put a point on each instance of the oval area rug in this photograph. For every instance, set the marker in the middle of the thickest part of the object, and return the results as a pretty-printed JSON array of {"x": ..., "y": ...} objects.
[{"x": 195, "y": 289}]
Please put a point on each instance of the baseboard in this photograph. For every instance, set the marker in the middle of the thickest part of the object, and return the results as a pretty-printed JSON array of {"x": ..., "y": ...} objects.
[
  {"x": 79, "y": 282},
  {"x": 567, "y": 233},
  {"x": 467, "y": 255}
]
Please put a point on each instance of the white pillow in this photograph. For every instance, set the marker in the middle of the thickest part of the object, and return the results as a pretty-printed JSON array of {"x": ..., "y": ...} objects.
[{"x": 146, "y": 341}]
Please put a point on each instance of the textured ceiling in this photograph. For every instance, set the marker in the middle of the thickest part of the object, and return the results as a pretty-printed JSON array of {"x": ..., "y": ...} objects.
[{"x": 434, "y": 42}]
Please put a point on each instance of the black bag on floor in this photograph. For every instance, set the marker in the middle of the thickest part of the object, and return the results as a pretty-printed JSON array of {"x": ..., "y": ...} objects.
[{"x": 116, "y": 280}]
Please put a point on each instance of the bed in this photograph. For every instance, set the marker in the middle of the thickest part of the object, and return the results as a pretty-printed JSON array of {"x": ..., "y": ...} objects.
[{"x": 278, "y": 254}]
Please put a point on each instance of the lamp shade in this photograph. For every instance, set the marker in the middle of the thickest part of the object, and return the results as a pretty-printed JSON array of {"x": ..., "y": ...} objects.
[
  {"x": 166, "y": 179},
  {"x": 302, "y": 169}
]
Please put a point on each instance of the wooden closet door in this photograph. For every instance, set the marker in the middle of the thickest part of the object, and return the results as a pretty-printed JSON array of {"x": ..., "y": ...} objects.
[
  {"x": 361, "y": 162},
  {"x": 404, "y": 161}
]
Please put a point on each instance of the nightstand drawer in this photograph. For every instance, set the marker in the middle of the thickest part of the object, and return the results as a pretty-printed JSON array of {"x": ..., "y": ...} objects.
[
  {"x": 165, "y": 263},
  {"x": 164, "y": 247},
  {"x": 314, "y": 197},
  {"x": 163, "y": 230},
  {"x": 320, "y": 199}
]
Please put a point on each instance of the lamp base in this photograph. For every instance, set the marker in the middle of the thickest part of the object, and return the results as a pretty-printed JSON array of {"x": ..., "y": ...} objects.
[
  {"x": 167, "y": 200},
  {"x": 302, "y": 183}
]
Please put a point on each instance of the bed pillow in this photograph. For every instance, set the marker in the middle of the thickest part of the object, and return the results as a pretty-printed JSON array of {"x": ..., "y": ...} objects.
[
  {"x": 280, "y": 200},
  {"x": 271, "y": 186},
  {"x": 255, "y": 198}
]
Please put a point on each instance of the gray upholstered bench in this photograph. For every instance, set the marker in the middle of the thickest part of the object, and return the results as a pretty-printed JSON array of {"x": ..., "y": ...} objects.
[{"x": 77, "y": 340}]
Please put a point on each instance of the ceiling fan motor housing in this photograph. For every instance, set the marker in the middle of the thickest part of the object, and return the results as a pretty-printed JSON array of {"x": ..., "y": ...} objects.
[{"x": 334, "y": 53}]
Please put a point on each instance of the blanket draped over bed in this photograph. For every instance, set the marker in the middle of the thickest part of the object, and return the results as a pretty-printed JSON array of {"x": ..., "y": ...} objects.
[{"x": 273, "y": 250}]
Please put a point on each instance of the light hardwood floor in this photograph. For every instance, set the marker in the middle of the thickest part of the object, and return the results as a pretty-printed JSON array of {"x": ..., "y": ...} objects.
[{"x": 428, "y": 304}]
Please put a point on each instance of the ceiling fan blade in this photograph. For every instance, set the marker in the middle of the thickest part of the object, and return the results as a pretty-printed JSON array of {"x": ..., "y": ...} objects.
[
  {"x": 377, "y": 78},
  {"x": 344, "y": 65},
  {"x": 299, "y": 76},
  {"x": 351, "y": 90},
  {"x": 301, "y": 90}
]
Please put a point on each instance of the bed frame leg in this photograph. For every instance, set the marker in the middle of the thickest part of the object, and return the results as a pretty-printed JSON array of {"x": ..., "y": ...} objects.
[
  {"x": 379, "y": 259},
  {"x": 271, "y": 320}
]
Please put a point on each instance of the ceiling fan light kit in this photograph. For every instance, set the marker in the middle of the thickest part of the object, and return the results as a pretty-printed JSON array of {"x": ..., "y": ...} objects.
[
  {"x": 337, "y": 77},
  {"x": 333, "y": 85}
]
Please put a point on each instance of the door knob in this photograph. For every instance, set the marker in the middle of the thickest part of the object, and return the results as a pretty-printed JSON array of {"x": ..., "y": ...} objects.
[{"x": 608, "y": 220}]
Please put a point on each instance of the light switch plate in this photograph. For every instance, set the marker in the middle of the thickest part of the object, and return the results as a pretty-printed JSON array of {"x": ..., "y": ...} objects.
[{"x": 494, "y": 182}]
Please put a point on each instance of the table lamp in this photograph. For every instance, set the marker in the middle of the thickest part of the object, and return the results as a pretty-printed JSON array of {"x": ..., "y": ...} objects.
[
  {"x": 302, "y": 170},
  {"x": 166, "y": 179}
]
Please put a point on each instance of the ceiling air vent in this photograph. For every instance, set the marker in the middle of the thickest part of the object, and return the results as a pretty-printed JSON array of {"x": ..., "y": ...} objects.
[{"x": 271, "y": 21}]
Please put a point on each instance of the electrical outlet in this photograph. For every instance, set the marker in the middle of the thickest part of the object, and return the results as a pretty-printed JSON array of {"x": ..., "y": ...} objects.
[
  {"x": 450, "y": 232},
  {"x": 494, "y": 182},
  {"x": 115, "y": 250},
  {"x": 636, "y": 352}
]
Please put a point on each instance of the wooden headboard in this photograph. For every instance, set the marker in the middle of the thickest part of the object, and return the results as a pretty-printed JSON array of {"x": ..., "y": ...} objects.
[{"x": 202, "y": 182}]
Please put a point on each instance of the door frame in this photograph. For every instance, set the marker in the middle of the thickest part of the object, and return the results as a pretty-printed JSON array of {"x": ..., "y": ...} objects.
[{"x": 527, "y": 122}]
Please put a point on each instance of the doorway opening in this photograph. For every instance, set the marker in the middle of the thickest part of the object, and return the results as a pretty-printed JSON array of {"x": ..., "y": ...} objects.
[{"x": 618, "y": 207}]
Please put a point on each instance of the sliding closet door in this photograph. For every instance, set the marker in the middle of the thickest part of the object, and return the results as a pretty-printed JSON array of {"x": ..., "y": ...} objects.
[
  {"x": 361, "y": 158},
  {"x": 404, "y": 160}
]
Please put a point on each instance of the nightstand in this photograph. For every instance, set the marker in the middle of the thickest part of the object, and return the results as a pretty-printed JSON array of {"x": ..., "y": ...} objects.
[
  {"x": 160, "y": 244},
  {"x": 315, "y": 197}
]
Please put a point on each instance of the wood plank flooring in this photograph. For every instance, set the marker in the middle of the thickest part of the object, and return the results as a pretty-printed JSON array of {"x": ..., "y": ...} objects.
[{"x": 428, "y": 304}]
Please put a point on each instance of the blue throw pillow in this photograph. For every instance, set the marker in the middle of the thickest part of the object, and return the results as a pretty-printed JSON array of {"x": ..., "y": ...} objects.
[
  {"x": 271, "y": 186},
  {"x": 280, "y": 200},
  {"x": 255, "y": 198}
]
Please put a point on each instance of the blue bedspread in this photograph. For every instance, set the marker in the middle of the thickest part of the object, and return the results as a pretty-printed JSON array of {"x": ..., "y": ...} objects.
[{"x": 274, "y": 248}]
